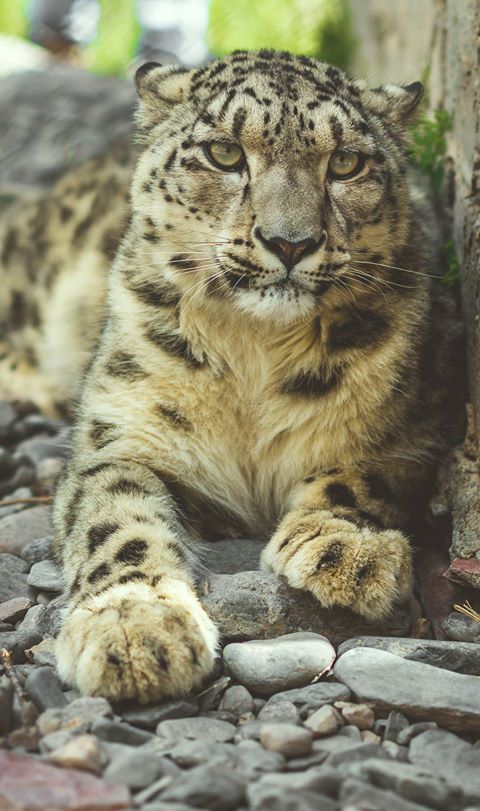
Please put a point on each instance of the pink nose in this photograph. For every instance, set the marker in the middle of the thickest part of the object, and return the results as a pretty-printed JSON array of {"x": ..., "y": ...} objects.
[{"x": 289, "y": 253}]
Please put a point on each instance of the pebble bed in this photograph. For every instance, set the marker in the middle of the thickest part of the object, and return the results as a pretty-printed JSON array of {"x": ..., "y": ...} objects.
[{"x": 290, "y": 723}]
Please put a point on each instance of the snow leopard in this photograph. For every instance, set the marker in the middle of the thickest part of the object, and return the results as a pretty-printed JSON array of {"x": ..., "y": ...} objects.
[{"x": 263, "y": 357}]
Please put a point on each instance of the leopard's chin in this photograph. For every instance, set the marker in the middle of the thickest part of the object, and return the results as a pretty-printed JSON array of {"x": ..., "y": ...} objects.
[{"x": 283, "y": 301}]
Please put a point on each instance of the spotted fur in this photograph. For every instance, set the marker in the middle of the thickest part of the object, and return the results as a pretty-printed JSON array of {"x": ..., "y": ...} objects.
[{"x": 299, "y": 401}]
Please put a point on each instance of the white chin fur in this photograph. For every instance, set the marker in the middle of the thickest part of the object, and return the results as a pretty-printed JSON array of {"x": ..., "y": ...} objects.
[{"x": 280, "y": 304}]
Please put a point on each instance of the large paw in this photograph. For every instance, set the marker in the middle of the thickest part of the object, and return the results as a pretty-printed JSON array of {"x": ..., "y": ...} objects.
[
  {"x": 340, "y": 563},
  {"x": 130, "y": 642}
]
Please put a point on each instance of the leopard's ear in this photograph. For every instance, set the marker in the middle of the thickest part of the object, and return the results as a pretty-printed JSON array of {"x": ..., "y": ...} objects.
[
  {"x": 397, "y": 103},
  {"x": 159, "y": 88}
]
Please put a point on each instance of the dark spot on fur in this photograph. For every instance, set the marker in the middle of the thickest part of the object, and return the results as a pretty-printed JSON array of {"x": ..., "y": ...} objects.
[
  {"x": 313, "y": 384},
  {"x": 71, "y": 512},
  {"x": 340, "y": 495},
  {"x": 364, "y": 328},
  {"x": 126, "y": 578},
  {"x": 92, "y": 471},
  {"x": 127, "y": 487},
  {"x": 98, "y": 535},
  {"x": 99, "y": 573},
  {"x": 123, "y": 364},
  {"x": 174, "y": 417},
  {"x": 102, "y": 433},
  {"x": 331, "y": 556},
  {"x": 378, "y": 488},
  {"x": 133, "y": 552},
  {"x": 174, "y": 344}
]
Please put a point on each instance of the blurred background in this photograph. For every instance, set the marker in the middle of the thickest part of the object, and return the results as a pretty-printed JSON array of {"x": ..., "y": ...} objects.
[{"x": 110, "y": 36}]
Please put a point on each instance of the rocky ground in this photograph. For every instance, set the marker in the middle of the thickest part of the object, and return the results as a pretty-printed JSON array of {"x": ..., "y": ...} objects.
[{"x": 289, "y": 721}]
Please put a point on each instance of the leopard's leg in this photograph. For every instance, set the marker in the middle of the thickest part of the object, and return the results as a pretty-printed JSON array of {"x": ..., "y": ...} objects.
[
  {"x": 134, "y": 626},
  {"x": 338, "y": 540}
]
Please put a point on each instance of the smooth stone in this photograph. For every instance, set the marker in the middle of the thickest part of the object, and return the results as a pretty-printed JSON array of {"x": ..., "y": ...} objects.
[
  {"x": 81, "y": 752},
  {"x": 39, "y": 549},
  {"x": 450, "y": 758},
  {"x": 267, "y": 797},
  {"x": 118, "y": 732},
  {"x": 395, "y": 751},
  {"x": 20, "y": 529},
  {"x": 150, "y": 716},
  {"x": 284, "y": 711},
  {"x": 260, "y": 605},
  {"x": 77, "y": 716},
  {"x": 356, "y": 795},
  {"x": 14, "y": 609},
  {"x": 423, "y": 693},
  {"x": 358, "y": 715},
  {"x": 287, "y": 739},
  {"x": 460, "y": 657},
  {"x": 19, "y": 641},
  {"x": 136, "y": 770},
  {"x": 461, "y": 628},
  {"x": 324, "y": 721},
  {"x": 21, "y": 493},
  {"x": 207, "y": 729},
  {"x": 409, "y": 781},
  {"x": 209, "y": 699},
  {"x": 30, "y": 784},
  {"x": 46, "y": 576},
  {"x": 355, "y": 753},
  {"x": 272, "y": 665},
  {"x": 313, "y": 696},
  {"x": 44, "y": 653},
  {"x": 13, "y": 578},
  {"x": 321, "y": 779},
  {"x": 237, "y": 700},
  {"x": 406, "y": 736},
  {"x": 370, "y": 737},
  {"x": 44, "y": 688},
  {"x": 49, "y": 620},
  {"x": 207, "y": 787}
]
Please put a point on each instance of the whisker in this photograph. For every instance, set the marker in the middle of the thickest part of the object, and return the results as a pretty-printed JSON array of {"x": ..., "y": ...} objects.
[{"x": 394, "y": 267}]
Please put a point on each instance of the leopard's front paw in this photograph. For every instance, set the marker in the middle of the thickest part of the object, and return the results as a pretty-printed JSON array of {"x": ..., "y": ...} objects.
[
  {"x": 341, "y": 564},
  {"x": 130, "y": 642}
]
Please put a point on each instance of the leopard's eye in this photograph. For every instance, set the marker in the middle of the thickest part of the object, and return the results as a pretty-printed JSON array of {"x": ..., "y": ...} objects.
[
  {"x": 343, "y": 165},
  {"x": 226, "y": 156}
]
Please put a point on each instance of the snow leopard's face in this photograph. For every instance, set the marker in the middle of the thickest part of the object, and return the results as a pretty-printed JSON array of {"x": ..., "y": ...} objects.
[{"x": 270, "y": 178}]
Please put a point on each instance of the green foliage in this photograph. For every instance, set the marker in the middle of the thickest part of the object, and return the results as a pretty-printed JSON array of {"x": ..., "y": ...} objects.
[
  {"x": 320, "y": 29},
  {"x": 429, "y": 144},
  {"x": 13, "y": 17},
  {"x": 451, "y": 277},
  {"x": 117, "y": 37}
]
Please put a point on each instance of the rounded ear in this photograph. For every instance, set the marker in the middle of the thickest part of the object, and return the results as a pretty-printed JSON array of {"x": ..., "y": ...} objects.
[
  {"x": 398, "y": 103},
  {"x": 159, "y": 87}
]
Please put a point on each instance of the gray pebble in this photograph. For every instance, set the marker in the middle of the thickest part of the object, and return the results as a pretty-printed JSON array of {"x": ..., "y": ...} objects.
[
  {"x": 13, "y": 578},
  {"x": 406, "y": 735},
  {"x": 313, "y": 696},
  {"x": 356, "y": 795},
  {"x": 118, "y": 732},
  {"x": 46, "y": 575},
  {"x": 284, "y": 711},
  {"x": 14, "y": 609},
  {"x": 39, "y": 549},
  {"x": 449, "y": 757},
  {"x": 289, "y": 661},
  {"x": 20, "y": 529},
  {"x": 137, "y": 770},
  {"x": 237, "y": 700},
  {"x": 287, "y": 739},
  {"x": 207, "y": 787},
  {"x": 207, "y": 729},
  {"x": 43, "y": 687},
  {"x": 150, "y": 716},
  {"x": 355, "y": 753},
  {"x": 459, "y": 657},
  {"x": 408, "y": 781},
  {"x": 264, "y": 797}
]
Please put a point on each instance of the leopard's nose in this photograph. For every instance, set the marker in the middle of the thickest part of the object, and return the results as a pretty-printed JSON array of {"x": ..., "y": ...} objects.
[{"x": 288, "y": 252}]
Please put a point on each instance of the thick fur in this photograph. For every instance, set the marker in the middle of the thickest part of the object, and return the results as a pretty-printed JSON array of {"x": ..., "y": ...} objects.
[{"x": 226, "y": 393}]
